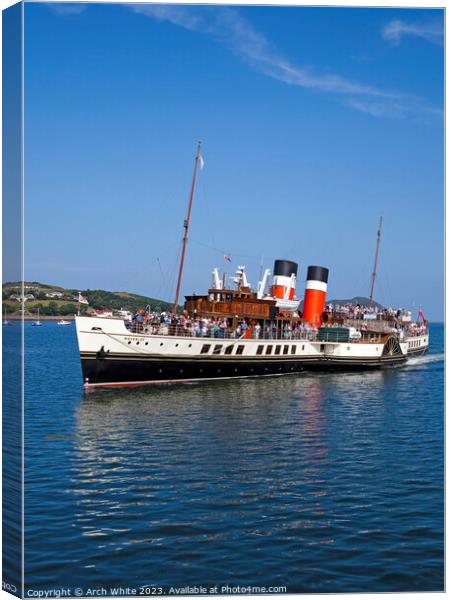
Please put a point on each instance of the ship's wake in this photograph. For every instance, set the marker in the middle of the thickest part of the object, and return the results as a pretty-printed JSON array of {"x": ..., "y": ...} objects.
[{"x": 421, "y": 361}]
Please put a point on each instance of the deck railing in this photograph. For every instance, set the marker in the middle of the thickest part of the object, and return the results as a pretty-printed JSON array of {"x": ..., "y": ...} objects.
[
  {"x": 222, "y": 333},
  {"x": 302, "y": 334},
  {"x": 266, "y": 333}
]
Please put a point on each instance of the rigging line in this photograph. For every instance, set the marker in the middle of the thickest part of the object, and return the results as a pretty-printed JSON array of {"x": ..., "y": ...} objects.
[
  {"x": 161, "y": 269},
  {"x": 360, "y": 283},
  {"x": 224, "y": 252},
  {"x": 162, "y": 277},
  {"x": 208, "y": 209},
  {"x": 171, "y": 282},
  {"x": 387, "y": 281},
  {"x": 384, "y": 294},
  {"x": 137, "y": 271}
]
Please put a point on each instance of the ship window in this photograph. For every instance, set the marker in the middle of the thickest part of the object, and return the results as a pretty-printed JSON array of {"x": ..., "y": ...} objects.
[
  {"x": 278, "y": 349},
  {"x": 217, "y": 349},
  {"x": 260, "y": 349},
  {"x": 268, "y": 349},
  {"x": 286, "y": 349},
  {"x": 239, "y": 350},
  {"x": 229, "y": 349},
  {"x": 303, "y": 347},
  {"x": 205, "y": 348},
  {"x": 293, "y": 349}
]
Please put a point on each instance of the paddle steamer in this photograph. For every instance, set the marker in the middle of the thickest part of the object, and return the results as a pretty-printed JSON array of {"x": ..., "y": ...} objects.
[{"x": 235, "y": 331}]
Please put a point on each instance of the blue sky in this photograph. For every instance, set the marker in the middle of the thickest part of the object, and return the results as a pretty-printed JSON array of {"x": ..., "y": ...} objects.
[{"x": 314, "y": 121}]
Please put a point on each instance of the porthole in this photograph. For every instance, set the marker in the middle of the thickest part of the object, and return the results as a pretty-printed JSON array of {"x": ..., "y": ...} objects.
[
  {"x": 137, "y": 343},
  {"x": 161, "y": 343},
  {"x": 129, "y": 343},
  {"x": 181, "y": 370},
  {"x": 147, "y": 343},
  {"x": 176, "y": 345},
  {"x": 160, "y": 370},
  {"x": 189, "y": 345}
]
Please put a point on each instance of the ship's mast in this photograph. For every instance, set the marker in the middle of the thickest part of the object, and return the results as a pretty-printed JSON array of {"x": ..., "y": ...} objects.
[
  {"x": 186, "y": 227},
  {"x": 373, "y": 277}
]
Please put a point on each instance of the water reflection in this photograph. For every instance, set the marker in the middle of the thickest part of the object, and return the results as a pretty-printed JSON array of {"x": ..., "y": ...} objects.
[
  {"x": 251, "y": 461},
  {"x": 321, "y": 482}
]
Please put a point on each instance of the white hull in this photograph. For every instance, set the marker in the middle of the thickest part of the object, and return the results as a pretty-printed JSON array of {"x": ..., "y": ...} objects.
[{"x": 109, "y": 351}]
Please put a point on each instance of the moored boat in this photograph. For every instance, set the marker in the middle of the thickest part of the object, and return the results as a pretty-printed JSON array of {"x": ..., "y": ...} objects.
[
  {"x": 37, "y": 323},
  {"x": 5, "y": 320}
]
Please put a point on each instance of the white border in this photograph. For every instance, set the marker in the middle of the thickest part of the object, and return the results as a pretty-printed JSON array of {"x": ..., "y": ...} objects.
[{"x": 430, "y": 4}]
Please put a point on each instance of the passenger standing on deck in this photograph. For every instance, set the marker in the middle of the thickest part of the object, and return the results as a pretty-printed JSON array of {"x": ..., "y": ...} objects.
[{"x": 243, "y": 328}]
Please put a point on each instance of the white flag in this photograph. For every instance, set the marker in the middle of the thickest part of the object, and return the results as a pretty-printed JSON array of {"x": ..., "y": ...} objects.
[
  {"x": 201, "y": 161},
  {"x": 82, "y": 299}
]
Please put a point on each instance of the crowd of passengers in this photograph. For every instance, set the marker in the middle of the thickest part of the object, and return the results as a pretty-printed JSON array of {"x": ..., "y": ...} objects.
[
  {"x": 182, "y": 325},
  {"x": 167, "y": 324},
  {"x": 357, "y": 311}
]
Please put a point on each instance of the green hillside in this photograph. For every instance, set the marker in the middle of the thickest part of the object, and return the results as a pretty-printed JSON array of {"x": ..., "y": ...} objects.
[
  {"x": 65, "y": 301},
  {"x": 53, "y": 300},
  {"x": 362, "y": 300}
]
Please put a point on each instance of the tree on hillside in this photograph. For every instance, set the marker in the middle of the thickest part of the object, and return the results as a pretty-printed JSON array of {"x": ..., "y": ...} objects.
[
  {"x": 52, "y": 308},
  {"x": 68, "y": 309}
]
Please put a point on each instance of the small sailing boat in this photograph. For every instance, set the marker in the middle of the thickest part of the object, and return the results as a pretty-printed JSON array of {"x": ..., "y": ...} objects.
[
  {"x": 5, "y": 320},
  {"x": 37, "y": 323},
  {"x": 63, "y": 322}
]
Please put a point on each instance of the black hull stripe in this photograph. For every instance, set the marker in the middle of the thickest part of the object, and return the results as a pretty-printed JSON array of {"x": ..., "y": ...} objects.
[
  {"x": 234, "y": 360},
  {"x": 116, "y": 372}
]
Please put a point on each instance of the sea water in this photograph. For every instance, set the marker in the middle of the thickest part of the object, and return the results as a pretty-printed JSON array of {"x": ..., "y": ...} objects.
[{"x": 322, "y": 482}]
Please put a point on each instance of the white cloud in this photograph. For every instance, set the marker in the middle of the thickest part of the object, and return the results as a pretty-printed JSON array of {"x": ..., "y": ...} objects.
[
  {"x": 396, "y": 30},
  {"x": 407, "y": 106},
  {"x": 226, "y": 26},
  {"x": 66, "y": 8}
]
